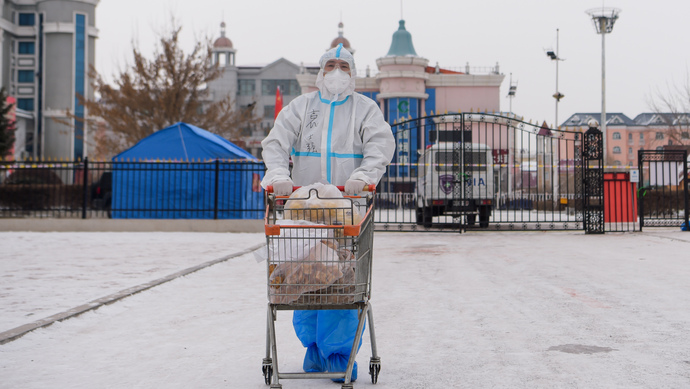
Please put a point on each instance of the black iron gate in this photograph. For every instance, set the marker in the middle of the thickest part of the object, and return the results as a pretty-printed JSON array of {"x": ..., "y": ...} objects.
[
  {"x": 663, "y": 193},
  {"x": 593, "y": 181},
  {"x": 481, "y": 171}
]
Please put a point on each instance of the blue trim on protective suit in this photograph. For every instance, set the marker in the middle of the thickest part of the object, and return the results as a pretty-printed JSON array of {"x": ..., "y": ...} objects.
[
  {"x": 338, "y": 155},
  {"x": 329, "y": 150},
  {"x": 306, "y": 154},
  {"x": 329, "y": 102},
  {"x": 337, "y": 52}
]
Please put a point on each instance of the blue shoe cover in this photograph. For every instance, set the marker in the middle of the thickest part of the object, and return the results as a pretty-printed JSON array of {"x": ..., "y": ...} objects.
[
  {"x": 338, "y": 363},
  {"x": 304, "y": 323},
  {"x": 313, "y": 361}
]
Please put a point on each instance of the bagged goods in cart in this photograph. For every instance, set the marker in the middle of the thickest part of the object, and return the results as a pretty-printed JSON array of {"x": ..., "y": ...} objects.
[
  {"x": 322, "y": 203},
  {"x": 321, "y": 277},
  {"x": 314, "y": 265}
]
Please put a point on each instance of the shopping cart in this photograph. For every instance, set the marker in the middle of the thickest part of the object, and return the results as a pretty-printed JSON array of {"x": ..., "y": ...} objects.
[{"x": 319, "y": 258}]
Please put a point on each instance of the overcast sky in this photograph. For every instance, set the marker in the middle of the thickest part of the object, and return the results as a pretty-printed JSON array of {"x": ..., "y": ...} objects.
[{"x": 646, "y": 52}]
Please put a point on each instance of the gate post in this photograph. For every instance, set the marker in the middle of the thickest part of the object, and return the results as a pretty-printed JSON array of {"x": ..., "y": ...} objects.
[
  {"x": 593, "y": 181},
  {"x": 686, "y": 190},
  {"x": 85, "y": 188}
]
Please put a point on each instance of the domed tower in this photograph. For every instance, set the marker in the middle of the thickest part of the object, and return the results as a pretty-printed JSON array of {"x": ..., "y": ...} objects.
[
  {"x": 341, "y": 39},
  {"x": 402, "y": 81},
  {"x": 402, "y": 78},
  {"x": 223, "y": 52},
  {"x": 402, "y": 43}
]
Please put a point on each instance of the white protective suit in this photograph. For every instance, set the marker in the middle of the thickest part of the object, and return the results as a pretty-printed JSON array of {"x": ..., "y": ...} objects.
[{"x": 331, "y": 138}]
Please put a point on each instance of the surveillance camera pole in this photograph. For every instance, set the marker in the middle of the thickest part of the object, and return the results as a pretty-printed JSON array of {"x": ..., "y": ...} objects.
[{"x": 604, "y": 19}]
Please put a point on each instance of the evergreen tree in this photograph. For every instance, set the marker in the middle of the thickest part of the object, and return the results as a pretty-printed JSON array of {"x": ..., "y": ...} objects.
[{"x": 7, "y": 126}]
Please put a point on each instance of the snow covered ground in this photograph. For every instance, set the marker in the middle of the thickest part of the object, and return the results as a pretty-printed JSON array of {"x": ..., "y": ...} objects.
[{"x": 475, "y": 310}]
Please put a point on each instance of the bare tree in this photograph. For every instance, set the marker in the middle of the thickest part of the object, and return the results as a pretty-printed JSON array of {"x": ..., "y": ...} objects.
[
  {"x": 673, "y": 109},
  {"x": 152, "y": 94}
]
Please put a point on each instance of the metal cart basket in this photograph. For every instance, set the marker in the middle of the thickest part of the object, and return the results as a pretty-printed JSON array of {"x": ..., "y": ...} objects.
[{"x": 319, "y": 257}]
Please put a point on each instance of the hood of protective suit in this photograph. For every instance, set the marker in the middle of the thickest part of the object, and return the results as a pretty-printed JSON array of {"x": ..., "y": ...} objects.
[{"x": 338, "y": 52}]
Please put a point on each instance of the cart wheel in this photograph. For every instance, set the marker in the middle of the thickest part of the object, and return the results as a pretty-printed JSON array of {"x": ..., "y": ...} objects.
[
  {"x": 374, "y": 369},
  {"x": 267, "y": 369}
]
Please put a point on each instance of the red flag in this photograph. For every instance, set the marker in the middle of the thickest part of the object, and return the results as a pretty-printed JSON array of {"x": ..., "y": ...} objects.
[{"x": 279, "y": 102}]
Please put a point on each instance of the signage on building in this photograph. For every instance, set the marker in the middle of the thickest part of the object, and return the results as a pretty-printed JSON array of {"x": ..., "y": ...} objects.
[
  {"x": 500, "y": 156},
  {"x": 634, "y": 176}
]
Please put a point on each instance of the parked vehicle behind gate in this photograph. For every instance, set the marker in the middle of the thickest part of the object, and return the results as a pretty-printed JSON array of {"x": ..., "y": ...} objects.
[{"x": 455, "y": 179}]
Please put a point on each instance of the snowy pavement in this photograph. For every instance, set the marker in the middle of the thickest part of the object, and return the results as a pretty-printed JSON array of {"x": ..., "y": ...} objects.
[{"x": 474, "y": 310}]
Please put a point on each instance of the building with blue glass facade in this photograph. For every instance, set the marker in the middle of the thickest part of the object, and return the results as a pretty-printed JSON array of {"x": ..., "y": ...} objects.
[{"x": 46, "y": 49}]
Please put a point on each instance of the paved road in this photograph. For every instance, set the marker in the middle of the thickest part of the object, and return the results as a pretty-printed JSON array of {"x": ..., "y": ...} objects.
[{"x": 476, "y": 310}]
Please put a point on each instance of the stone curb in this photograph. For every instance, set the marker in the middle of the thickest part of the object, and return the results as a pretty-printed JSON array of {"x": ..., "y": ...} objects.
[{"x": 18, "y": 332}]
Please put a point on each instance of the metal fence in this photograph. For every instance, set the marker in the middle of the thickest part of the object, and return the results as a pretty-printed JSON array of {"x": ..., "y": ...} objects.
[
  {"x": 216, "y": 189},
  {"x": 451, "y": 172},
  {"x": 484, "y": 171},
  {"x": 663, "y": 193},
  {"x": 481, "y": 171}
]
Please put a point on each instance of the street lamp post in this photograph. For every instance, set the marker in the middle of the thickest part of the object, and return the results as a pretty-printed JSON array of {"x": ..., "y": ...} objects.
[
  {"x": 604, "y": 19},
  {"x": 554, "y": 149},
  {"x": 558, "y": 96}
]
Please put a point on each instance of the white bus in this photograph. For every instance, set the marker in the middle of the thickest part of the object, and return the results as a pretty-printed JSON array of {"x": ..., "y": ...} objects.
[{"x": 455, "y": 179}]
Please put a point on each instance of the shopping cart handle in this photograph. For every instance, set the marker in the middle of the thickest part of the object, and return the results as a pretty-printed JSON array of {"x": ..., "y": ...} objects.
[
  {"x": 269, "y": 188},
  {"x": 367, "y": 188}
]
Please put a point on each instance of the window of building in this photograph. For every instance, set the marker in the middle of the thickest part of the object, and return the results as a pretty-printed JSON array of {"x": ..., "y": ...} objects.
[
  {"x": 616, "y": 135},
  {"x": 630, "y": 138},
  {"x": 269, "y": 111},
  {"x": 659, "y": 135},
  {"x": 27, "y": 19},
  {"x": 25, "y": 104},
  {"x": 288, "y": 87},
  {"x": 616, "y": 150},
  {"x": 630, "y": 150},
  {"x": 26, "y": 48},
  {"x": 246, "y": 87},
  {"x": 641, "y": 138},
  {"x": 659, "y": 148},
  {"x": 684, "y": 135},
  {"x": 617, "y": 163},
  {"x": 615, "y": 120},
  {"x": 25, "y": 76}
]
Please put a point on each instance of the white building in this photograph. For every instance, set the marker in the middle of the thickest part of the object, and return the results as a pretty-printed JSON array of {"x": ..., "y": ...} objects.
[{"x": 46, "y": 50}]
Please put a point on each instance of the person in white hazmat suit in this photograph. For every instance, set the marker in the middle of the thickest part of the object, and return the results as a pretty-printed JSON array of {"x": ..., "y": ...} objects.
[{"x": 335, "y": 136}]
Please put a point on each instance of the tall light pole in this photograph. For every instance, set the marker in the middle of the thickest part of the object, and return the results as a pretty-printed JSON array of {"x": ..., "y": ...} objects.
[
  {"x": 558, "y": 95},
  {"x": 604, "y": 19},
  {"x": 555, "y": 169}
]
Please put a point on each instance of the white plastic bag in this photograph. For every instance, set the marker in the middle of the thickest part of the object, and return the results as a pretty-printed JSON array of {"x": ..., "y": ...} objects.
[{"x": 322, "y": 203}]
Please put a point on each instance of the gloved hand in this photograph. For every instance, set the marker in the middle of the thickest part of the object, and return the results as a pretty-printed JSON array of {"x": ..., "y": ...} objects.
[
  {"x": 352, "y": 187},
  {"x": 283, "y": 187}
]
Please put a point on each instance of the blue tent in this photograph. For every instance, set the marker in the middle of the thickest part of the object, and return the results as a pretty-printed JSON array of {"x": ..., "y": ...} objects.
[{"x": 185, "y": 172}]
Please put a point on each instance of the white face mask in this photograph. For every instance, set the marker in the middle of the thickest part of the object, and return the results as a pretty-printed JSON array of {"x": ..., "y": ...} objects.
[{"x": 336, "y": 81}]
